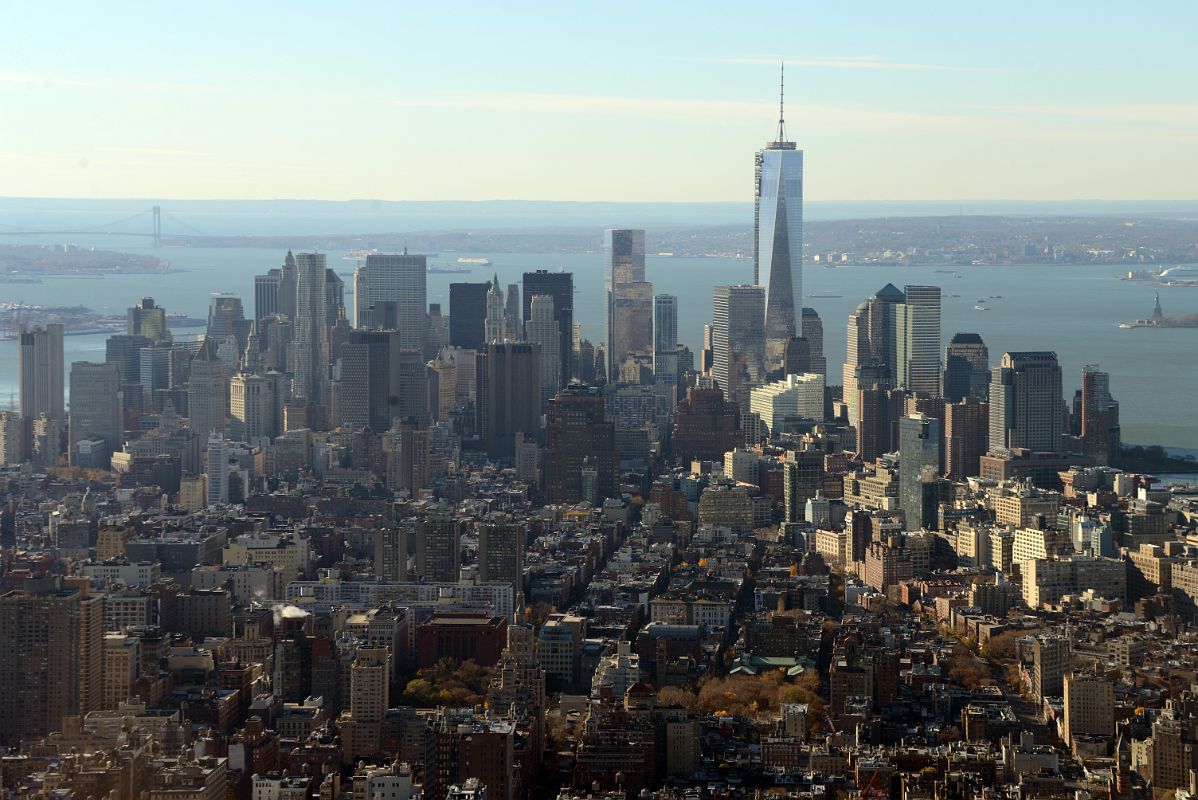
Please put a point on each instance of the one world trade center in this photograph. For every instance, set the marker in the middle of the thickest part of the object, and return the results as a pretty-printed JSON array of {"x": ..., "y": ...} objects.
[{"x": 778, "y": 240}]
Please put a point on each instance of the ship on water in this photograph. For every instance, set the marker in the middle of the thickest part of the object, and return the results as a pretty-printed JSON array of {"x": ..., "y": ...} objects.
[
  {"x": 1181, "y": 275},
  {"x": 1159, "y": 320},
  {"x": 475, "y": 262}
]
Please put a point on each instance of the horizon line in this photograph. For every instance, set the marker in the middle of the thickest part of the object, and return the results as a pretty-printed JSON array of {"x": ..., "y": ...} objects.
[{"x": 942, "y": 200}]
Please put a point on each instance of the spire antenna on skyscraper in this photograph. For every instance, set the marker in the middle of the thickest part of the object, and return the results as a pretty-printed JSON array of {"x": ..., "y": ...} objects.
[{"x": 781, "y": 103}]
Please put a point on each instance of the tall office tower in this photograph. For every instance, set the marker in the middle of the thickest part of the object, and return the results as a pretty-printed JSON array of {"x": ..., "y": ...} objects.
[
  {"x": 519, "y": 678},
  {"x": 95, "y": 410},
  {"x": 154, "y": 367},
  {"x": 966, "y": 368},
  {"x": 408, "y": 462},
  {"x": 149, "y": 320},
  {"x": 402, "y": 279},
  {"x": 706, "y": 426},
  {"x": 812, "y": 329},
  {"x": 334, "y": 297},
  {"x": 686, "y": 361},
  {"x": 1100, "y": 431},
  {"x": 511, "y": 312},
  {"x": 208, "y": 392},
  {"x": 1089, "y": 707},
  {"x": 91, "y": 646},
  {"x": 251, "y": 356},
  {"x": 738, "y": 339},
  {"x": 41, "y": 369},
  {"x": 1025, "y": 403},
  {"x": 579, "y": 439},
  {"x": 443, "y": 384},
  {"x": 797, "y": 358},
  {"x": 367, "y": 389},
  {"x": 966, "y": 425},
  {"x": 226, "y": 317},
  {"x": 468, "y": 314},
  {"x": 584, "y": 362},
  {"x": 39, "y": 659},
  {"x": 274, "y": 340},
  {"x": 778, "y": 238},
  {"x": 707, "y": 354},
  {"x": 217, "y": 470},
  {"x": 873, "y": 352},
  {"x": 369, "y": 681},
  {"x": 362, "y": 727},
  {"x": 541, "y": 329},
  {"x": 391, "y": 554},
  {"x": 665, "y": 338},
  {"x": 251, "y": 408},
  {"x": 919, "y": 457},
  {"x": 915, "y": 404},
  {"x": 439, "y": 548},
  {"x": 876, "y": 424},
  {"x": 501, "y": 542},
  {"x": 629, "y": 300},
  {"x": 124, "y": 350},
  {"x": 437, "y": 336},
  {"x": 409, "y": 377},
  {"x": 509, "y": 401},
  {"x": 310, "y": 380},
  {"x": 559, "y": 286},
  {"x": 288, "y": 276},
  {"x": 802, "y": 479},
  {"x": 919, "y": 337},
  {"x": 122, "y": 668},
  {"x": 351, "y": 390},
  {"x": 14, "y": 444},
  {"x": 266, "y": 293},
  {"x": 495, "y": 325},
  {"x": 361, "y": 307}
]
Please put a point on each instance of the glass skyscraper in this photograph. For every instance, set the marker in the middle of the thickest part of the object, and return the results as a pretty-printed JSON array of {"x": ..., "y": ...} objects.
[
  {"x": 629, "y": 300},
  {"x": 778, "y": 240},
  {"x": 665, "y": 338},
  {"x": 737, "y": 343},
  {"x": 400, "y": 279},
  {"x": 559, "y": 286}
]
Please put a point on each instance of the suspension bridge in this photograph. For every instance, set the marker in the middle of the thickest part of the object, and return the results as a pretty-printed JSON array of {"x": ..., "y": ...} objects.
[{"x": 132, "y": 225}]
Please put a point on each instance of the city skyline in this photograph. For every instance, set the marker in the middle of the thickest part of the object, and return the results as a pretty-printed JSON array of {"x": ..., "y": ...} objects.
[
  {"x": 479, "y": 518},
  {"x": 972, "y": 122}
]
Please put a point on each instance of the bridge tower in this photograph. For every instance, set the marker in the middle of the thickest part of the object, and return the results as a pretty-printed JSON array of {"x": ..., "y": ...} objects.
[{"x": 157, "y": 226}]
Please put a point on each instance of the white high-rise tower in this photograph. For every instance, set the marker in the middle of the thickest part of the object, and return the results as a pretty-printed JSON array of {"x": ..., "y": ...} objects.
[
  {"x": 217, "y": 469},
  {"x": 778, "y": 239},
  {"x": 541, "y": 328}
]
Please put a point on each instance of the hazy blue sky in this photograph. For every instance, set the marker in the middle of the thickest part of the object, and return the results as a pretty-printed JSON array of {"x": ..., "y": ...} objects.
[{"x": 597, "y": 101}]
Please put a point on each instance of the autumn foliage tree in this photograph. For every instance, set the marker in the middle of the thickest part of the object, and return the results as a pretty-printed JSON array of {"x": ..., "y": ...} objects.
[
  {"x": 448, "y": 683},
  {"x": 968, "y": 670},
  {"x": 755, "y": 695},
  {"x": 678, "y": 697}
]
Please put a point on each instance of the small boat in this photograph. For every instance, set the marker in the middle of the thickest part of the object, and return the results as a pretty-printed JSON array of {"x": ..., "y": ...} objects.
[{"x": 981, "y": 308}]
